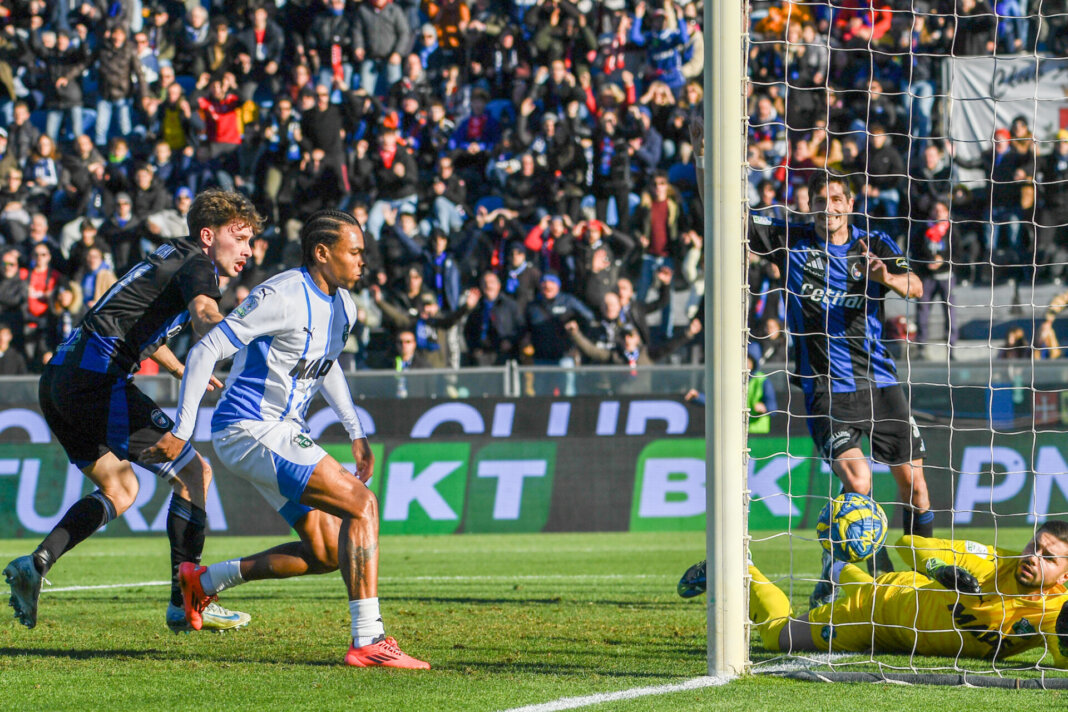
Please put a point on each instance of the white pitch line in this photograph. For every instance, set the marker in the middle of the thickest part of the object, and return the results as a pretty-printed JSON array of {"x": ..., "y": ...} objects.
[
  {"x": 62, "y": 589},
  {"x": 571, "y": 703},
  {"x": 500, "y": 579}
]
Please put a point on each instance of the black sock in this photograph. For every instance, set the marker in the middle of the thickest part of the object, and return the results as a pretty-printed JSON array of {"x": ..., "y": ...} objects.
[
  {"x": 880, "y": 563},
  {"x": 185, "y": 529},
  {"x": 83, "y": 518},
  {"x": 918, "y": 523}
]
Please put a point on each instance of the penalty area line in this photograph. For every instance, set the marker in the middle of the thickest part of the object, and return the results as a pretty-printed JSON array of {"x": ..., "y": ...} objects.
[{"x": 571, "y": 703}]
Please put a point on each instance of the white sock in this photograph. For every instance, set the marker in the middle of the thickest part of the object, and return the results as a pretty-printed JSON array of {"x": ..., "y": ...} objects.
[
  {"x": 221, "y": 576},
  {"x": 366, "y": 621}
]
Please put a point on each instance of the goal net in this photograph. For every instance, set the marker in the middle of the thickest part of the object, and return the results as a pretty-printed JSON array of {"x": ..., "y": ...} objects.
[{"x": 946, "y": 124}]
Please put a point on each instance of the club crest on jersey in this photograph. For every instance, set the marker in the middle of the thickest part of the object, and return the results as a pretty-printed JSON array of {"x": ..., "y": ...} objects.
[
  {"x": 245, "y": 308},
  {"x": 302, "y": 440},
  {"x": 855, "y": 272},
  {"x": 160, "y": 419}
]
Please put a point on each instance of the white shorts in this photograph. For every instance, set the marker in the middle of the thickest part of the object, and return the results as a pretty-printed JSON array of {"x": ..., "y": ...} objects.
[{"x": 276, "y": 457}]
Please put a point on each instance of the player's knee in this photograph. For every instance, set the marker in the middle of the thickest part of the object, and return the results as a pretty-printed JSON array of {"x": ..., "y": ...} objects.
[
  {"x": 362, "y": 503},
  {"x": 122, "y": 495}
]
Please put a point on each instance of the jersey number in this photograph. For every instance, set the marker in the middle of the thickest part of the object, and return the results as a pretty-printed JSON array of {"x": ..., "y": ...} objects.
[{"x": 311, "y": 370}]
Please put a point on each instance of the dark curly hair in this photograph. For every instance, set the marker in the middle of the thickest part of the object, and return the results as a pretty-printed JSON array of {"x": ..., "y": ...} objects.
[
  {"x": 323, "y": 228},
  {"x": 215, "y": 208}
]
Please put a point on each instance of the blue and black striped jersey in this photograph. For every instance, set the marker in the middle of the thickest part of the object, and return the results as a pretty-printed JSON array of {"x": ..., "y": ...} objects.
[
  {"x": 141, "y": 310},
  {"x": 834, "y": 313}
]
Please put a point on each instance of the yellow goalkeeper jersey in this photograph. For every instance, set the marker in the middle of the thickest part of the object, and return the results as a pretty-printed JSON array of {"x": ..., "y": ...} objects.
[{"x": 912, "y": 612}]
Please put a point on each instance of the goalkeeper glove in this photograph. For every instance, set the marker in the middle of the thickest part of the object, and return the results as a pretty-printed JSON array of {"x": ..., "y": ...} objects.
[{"x": 954, "y": 578}]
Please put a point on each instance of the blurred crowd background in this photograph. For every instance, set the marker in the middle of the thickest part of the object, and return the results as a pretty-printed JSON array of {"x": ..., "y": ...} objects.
[{"x": 523, "y": 168}]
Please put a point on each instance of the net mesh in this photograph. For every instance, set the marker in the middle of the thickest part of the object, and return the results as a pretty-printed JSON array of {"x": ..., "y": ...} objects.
[{"x": 949, "y": 120}]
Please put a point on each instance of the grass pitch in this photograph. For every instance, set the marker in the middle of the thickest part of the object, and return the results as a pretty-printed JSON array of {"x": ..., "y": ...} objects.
[{"x": 506, "y": 621}]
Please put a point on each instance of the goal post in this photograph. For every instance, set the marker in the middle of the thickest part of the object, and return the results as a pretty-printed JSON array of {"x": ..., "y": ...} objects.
[
  {"x": 725, "y": 335},
  {"x": 946, "y": 123}
]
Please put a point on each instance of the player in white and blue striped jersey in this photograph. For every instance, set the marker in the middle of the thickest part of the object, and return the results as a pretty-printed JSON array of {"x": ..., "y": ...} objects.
[{"x": 287, "y": 336}]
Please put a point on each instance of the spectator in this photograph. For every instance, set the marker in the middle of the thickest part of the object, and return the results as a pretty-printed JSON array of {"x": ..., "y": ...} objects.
[
  {"x": 14, "y": 294},
  {"x": 12, "y": 362},
  {"x": 934, "y": 267},
  {"x": 63, "y": 65},
  {"x": 22, "y": 135},
  {"x": 493, "y": 330},
  {"x": 664, "y": 36},
  {"x": 42, "y": 282},
  {"x": 521, "y": 278},
  {"x": 545, "y": 318},
  {"x": 1052, "y": 186},
  {"x": 382, "y": 36},
  {"x": 117, "y": 63}
]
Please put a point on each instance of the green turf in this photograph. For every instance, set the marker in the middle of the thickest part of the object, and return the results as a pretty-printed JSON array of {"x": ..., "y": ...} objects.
[{"x": 505, "y": 620}]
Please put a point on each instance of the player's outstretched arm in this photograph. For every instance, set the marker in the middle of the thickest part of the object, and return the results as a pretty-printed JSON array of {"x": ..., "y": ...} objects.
[
  {"x": 201, "y": 362},
  {"x": 336, "y": 392},
  {"x": 922, "y": 553}
]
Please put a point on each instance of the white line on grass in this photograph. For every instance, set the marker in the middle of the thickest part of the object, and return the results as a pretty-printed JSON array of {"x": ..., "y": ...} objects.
[
  {"x": 571, "y": 703},
  {"x": 501, "y": 579}
]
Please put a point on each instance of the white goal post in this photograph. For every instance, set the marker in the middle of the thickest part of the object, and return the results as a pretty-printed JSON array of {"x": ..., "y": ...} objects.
[{"x": 725, "y": 339}]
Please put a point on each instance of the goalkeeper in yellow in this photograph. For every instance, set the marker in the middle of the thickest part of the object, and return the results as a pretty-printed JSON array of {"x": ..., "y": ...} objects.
[{"x": 961, "y": 599}]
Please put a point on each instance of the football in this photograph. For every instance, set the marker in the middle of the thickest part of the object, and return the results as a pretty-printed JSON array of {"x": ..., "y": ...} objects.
[{"x": 852, "y": 527}]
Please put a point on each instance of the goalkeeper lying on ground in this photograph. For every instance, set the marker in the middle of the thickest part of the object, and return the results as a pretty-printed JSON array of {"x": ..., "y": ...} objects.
[{"x": 961, "y": 599}]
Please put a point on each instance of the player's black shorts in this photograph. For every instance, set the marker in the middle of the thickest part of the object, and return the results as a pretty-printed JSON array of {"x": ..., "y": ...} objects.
[
  {"x": 92, "y": 413},
  {"x": 839, "y": 421}
]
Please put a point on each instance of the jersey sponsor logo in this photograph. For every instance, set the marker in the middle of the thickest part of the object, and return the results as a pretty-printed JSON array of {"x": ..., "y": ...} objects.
[
  {"x": 761, "y": 220},
  {"x": 974, "y": 547},
  {"x": 311, "y": 370},
  {"x": 831, "y": 297},
  {"x": 967, "y": 622},
  {"x": 302, "y": 440},
  {"x": 160, "y": 419},
  {"x": 246, "y": 307}
]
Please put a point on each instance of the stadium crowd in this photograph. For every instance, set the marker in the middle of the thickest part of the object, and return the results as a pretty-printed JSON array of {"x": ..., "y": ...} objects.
[{"x": 519, "y": 165}]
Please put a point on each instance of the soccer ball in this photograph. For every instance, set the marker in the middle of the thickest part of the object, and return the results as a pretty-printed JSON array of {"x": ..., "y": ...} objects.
[{"x": 852, "y": 527}]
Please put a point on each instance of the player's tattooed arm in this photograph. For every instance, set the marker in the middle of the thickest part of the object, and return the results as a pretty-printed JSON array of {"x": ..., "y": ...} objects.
[{"x": 204, "y": 314}]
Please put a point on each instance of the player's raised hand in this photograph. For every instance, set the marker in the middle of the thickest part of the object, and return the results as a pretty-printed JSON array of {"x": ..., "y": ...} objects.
[
  {"x": 877, "y": 271},
  {"x": 215, "y": 383},
  {"x": 364, "y": 459},
  {"x": 166, "y": 449}
]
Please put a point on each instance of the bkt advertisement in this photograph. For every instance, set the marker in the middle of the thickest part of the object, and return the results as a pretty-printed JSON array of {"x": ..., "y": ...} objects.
[{"x": 542, "y": 464}]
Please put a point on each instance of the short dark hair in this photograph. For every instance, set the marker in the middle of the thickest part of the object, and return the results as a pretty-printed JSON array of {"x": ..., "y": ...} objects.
[
  {"x": 823, "y": 179},
  {"x": 1056, "y": 528},
  {"x": 323, "y": 228},
  {"x": 215, "y": 208}
]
